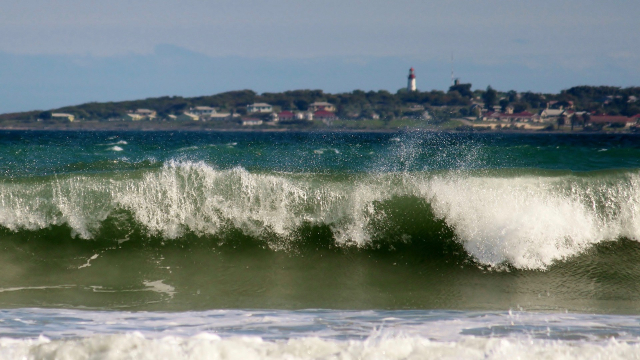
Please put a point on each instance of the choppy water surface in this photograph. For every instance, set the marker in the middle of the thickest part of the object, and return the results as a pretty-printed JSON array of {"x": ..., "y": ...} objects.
[{"x": 403, "y": 225}]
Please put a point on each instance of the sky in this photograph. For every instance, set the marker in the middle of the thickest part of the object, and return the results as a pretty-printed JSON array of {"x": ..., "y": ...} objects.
[{"x": 66, "y": 52}]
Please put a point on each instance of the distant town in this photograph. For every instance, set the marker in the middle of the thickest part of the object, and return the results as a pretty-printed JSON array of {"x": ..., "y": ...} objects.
[{"x": 578, "y": 109}]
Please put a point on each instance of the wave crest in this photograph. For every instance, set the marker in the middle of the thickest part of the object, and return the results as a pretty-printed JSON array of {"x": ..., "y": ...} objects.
[{"x": 525, "y": 221}]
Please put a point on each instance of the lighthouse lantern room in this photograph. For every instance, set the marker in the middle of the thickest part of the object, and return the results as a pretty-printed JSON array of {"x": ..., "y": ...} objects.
[{"x": 411, "y": 83}]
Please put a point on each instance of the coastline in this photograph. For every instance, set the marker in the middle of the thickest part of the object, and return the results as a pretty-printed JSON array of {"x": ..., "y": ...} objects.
[{"x": 313, "y": 130}]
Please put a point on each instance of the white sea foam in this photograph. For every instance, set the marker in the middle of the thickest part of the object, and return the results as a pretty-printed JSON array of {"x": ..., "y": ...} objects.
[
  {"x": 209, "y": 346},
  {"x": 88, "y": 263},
  {"x": 116, "y": 148},
  {"x": 23, "y": 288},
  {"x": 160, "y": 287},
  {"x": 526, "y": 221},
  {"x": 314, "y": 334}
]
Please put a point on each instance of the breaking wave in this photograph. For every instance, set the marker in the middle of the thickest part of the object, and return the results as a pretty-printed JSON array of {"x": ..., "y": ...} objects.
[{"x": 524, "y": 219}]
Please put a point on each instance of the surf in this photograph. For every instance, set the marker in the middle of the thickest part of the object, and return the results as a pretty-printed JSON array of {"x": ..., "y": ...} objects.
[{"x": 526, "y": 219}]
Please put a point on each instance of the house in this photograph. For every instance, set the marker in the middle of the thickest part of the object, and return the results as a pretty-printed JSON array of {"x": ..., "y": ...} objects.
[
  {"x": 286, "y": 115},
  {"x": 140, "y": 114},
  {"x": 324, "y": 115},
  {"x": 202, "y": 110},
  {"x": 187, "y": 117},
  {"x": 259, "y": 108},
  {"x": 551, "y": 113},
  {"x": 146, "y": 113},
  {"x": 133, "y": 116},
  {"x": 222, "y": 116},
  {"x": 324, "y": 106},
  {"x": 63, "y": 116},
  {"x": 251, "y": 122},
  {"x": 304, "y": 115}
]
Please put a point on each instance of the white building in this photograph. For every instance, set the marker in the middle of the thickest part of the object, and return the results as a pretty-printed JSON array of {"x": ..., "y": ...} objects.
[
  {"x": 146, "y": 113},
  {"x": 320, "y": 105},
  {"x": 551, "y": 113},
  {"x": 251, "y": 122},
  {"x": 62, "y": 116},
  {"x": 202, "y": 110},
  {"x": 222, "y": 116},
  {"x": 260, "y": 108},
  {"x": 411, "y": 83},
  {"x": 308, "y": 115}
]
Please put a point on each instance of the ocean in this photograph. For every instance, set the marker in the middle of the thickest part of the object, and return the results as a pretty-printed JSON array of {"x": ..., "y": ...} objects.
[{"x": 269, "y": 245}]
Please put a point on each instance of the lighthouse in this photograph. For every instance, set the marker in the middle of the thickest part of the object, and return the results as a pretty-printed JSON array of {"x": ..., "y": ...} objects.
[{"x": 411, "y": 83}]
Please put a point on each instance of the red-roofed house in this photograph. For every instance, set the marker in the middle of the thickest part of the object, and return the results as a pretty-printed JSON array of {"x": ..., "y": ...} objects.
[
  {"x": 286, "y": 115},
  {"x": 324, "y": 115}
]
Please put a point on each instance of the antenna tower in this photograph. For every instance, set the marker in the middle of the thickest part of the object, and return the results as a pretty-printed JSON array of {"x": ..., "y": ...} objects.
[{"x": 452, "y": 77}]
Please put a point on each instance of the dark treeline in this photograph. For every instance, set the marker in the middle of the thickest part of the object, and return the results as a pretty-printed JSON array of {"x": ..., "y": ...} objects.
[{"x": 363, "y": 104}]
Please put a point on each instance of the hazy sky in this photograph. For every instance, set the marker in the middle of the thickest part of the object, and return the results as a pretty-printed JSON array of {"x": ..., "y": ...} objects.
[{"x": 55, "y": 53}]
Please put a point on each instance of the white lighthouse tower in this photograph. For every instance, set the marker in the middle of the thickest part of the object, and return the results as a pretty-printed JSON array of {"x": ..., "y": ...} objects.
[{"x": 411, "y": 83}]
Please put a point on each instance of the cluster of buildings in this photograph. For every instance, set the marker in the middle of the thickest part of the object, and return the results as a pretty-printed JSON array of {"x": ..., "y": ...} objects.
[
  {"x": 255, "y": 114},
  {"x": 316, "y": 111},
  {"x": 556, "y": 114},
  {"x": 194, "y": 114}
]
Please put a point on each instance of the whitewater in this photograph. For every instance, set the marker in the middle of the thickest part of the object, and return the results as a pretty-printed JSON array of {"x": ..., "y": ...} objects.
[
  {"x": 527, "y": 221},
  {"x": 337, "y": 246}
]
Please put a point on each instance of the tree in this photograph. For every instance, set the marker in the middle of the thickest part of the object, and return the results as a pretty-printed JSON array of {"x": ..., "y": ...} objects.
[
  {"x": 301, "y": 104},
  {"x": 462, "y": 89},
  {"x": 503, "y": 105},
  {"x": 520, "y": 107},
  {"x": 45, "y": 115},
  {"x": 561, "y": 120},
  {"x": 489, "y": 97}
]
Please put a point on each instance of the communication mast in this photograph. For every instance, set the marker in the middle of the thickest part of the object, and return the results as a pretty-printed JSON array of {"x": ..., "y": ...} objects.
[{"x": 453, "y": 79}]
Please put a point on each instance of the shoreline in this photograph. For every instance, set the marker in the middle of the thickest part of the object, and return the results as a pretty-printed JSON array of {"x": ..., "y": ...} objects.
[{"x": 321, "y": 130}]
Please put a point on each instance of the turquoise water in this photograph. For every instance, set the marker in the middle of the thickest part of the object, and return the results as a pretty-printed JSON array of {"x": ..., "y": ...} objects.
[{"x": 432, "y": 228}]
